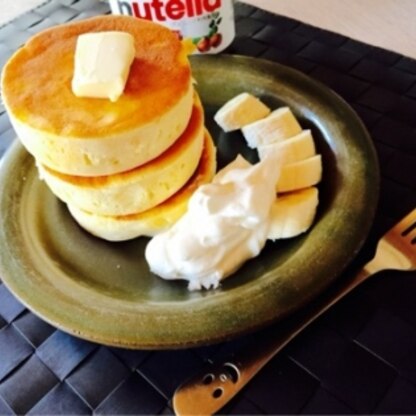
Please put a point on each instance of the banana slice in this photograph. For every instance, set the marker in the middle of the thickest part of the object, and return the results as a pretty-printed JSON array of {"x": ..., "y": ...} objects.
[
  {"x": 293, "y": 213},
  {"x": 279, "y": 125},
  {"x": 300, "y": 175},
  {"x": 292, "y": 150},
  {"x": 240, "y": 111}
]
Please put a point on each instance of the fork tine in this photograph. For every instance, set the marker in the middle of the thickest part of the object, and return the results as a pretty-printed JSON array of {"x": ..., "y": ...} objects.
[
  {"x": 406, "y": 222},
  {"x": 411, "y": 235}
]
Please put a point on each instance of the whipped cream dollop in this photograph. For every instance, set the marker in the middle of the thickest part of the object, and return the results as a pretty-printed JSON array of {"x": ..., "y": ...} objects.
[{"x": 227, "y": 223}]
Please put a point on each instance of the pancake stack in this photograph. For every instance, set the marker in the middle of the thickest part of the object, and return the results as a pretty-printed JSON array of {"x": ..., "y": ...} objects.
[{"x": 124, "y": 168}]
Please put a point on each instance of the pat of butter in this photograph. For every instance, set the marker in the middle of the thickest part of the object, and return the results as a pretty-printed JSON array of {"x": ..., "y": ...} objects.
[{"x": 102, "y": 64}]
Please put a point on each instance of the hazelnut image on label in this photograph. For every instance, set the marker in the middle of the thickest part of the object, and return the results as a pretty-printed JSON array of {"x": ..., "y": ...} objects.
[
  {"x": 203, "y": 45},
  {"x": 215, "y": 40}
]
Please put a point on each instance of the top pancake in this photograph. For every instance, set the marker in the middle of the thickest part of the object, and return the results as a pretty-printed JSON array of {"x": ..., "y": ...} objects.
[{"x": 36, "y": 81}]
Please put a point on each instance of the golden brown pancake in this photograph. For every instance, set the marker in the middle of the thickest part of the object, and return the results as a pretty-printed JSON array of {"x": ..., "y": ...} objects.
[
  {"x": 138, "y": 189},
  {"x": 90, "y": 136},
  {"x": 157, "y": 219}
]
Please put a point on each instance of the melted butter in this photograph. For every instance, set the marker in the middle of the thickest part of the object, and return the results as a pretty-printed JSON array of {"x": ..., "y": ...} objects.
[{"x": 102, "y": 64}]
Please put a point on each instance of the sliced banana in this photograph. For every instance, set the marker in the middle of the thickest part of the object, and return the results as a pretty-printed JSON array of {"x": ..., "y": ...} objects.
[
  {"x": 292, "y": 150},
  {"x": 298, "y": 175},
  {"x": 279, "y": 133},
  {"x": 279, "y": 125},
  {"x": 240, "y": 111},
  {"x": 293, "y": 213}
]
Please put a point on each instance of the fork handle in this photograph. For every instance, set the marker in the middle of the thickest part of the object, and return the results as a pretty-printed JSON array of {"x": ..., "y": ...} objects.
[{"x": 208, "y": 391}]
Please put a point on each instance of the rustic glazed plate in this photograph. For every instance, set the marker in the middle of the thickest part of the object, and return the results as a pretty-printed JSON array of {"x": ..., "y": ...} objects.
[{"x": 104, "y": 291}]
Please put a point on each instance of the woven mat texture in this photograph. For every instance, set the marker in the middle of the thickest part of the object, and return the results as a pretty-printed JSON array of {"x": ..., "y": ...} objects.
[{"x": 360, "y": 357}]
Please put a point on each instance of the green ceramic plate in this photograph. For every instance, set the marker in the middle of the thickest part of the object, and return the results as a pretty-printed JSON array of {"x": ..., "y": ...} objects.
[{"x": 104, "y": 291}]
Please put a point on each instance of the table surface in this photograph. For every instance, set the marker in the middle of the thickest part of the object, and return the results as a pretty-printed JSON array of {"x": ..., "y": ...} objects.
[
  {"x": 359, "y": 358},
  {"x": 389, "y": 24}
]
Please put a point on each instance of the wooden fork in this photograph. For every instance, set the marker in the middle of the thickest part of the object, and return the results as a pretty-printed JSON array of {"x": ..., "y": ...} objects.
[{"x": 210, "y": 390}]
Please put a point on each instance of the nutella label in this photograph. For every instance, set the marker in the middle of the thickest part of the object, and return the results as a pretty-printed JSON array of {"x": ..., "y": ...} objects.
[{"x": 208, "y": 23}]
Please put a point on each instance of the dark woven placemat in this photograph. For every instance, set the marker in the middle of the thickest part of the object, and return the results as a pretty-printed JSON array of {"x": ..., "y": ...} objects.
[{"x": 360, "y": 357}]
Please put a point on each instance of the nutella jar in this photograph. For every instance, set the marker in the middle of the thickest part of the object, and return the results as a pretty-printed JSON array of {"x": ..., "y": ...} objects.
[{"x": 209, "y": 24}]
